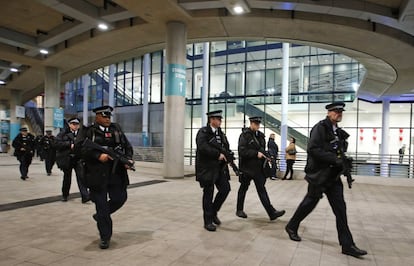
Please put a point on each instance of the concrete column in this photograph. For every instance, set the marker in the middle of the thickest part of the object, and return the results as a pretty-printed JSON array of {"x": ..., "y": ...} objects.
[
  {"x": 285, "y": 102},
  {"x": 85, "y": 80},
  {"x": 174, "y": 106},
  {"x": 206, "y": 78},
  {"x": 52, "y": 96},
  {"x": 384, "y": 168},
  {"x": 3, "y": 147},
  {"x": 111, "y": 86},
  {"x": 15, "y": 100},
  {"x": 145, "y": 105}
]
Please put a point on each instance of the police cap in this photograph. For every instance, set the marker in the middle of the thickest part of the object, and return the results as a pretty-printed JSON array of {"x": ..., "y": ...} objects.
[
  {"x": 74, "y": 120},
  {"x": 23, "y": 129},
  {"x": 105, "y": 110},
  {"x": 335, "y": 106},
  {"x": 217, "y": 113},
  {"x": 256, "y": 119}
]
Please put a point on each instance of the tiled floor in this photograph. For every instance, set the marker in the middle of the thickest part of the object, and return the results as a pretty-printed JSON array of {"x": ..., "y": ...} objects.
[{"x": 161, "y": 224}]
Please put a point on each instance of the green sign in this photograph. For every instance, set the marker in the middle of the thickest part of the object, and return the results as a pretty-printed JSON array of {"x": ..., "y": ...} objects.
[
  {"x": 175, "y": 80},
  {"x": 58, "y": 115}
]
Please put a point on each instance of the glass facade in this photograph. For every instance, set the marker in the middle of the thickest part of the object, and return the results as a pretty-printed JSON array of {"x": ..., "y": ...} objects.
[{"x": 245, "y": 79}]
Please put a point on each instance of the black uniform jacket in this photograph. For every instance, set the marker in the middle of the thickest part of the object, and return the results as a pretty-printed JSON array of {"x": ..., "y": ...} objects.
[
  {"x": 324, "y": 148},
  {"x": 26, "y": 142},
  {"x": 98, "y": 174},
  {"x": 208, "y": 167},
  {"x": 64, "y": 154},
  {"x": 272, "y": 147},
  {"x": 248, "y": 148},
  {"x": 48, "y": 147}
]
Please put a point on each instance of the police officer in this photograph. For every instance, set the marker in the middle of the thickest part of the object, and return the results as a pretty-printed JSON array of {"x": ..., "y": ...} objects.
[
  {"x": 211, "y": 168},
  {"x": 106, "y": 177},
  {"x": 48, "y": 151},
  {"x": 273, "y": 150},
  {"x": 23, "y": 145},
  {"x": 326, "y": 150},
  {"x": 67, "y": 159},
  {"x": 252, "y": 157}
]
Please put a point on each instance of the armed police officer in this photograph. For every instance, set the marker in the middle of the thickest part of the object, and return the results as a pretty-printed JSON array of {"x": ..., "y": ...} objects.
[
  {"x": 24, "y": 145},
  {"x": 68, "y": 159},
  {"x": 48, "y": 150},
  {"x": 252, "y": 158},
  {"x": 325, "y": 163},
  {"x": 106, "y": 176},
  {"x": 212, "y": 169}
]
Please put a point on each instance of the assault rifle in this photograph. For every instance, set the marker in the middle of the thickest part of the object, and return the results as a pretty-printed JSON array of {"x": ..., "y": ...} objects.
[
  {"x": 260, "y": 149},
  {"x": 347, "y": 167},
  {"x": 228, "y": 154},
  {"x": 116, "y": 153}
]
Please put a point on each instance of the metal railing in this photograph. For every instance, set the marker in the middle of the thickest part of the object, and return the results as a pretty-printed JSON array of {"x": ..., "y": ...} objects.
[{"x": 366, "y": 164}]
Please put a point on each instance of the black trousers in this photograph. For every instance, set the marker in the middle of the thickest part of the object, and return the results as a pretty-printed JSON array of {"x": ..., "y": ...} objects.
[
  {"x": 49, "y": 162},
  {"x": 259, "y": 182},
  {"x": 335, "y": 197},
  {"x": 289, "y": 168},
  {"x": 25, "y": 162},
  {"x": 67, "y": 180},
  {"x": 210, "y": 206},
  {"x": 117, "y": 195}
]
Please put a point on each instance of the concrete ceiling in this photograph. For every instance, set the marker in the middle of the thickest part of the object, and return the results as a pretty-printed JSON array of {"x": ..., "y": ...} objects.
[{"x": 378, "y": 33}]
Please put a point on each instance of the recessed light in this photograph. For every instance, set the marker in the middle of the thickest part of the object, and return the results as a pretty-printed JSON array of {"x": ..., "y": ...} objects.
[
  {"x": 13, "y": 69},
  {"x": 103, "y": 26},
  {"x": 43, "y": 51},
  {"x": 238, "y": 9},
  {"x": 2, "y": 82}
]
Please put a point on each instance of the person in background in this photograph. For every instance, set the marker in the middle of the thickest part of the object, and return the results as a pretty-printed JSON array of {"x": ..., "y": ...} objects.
[
  {"x": 327, "y": 148},
  {"x": 273, "y": 151},
  {"x": 290, "y": 158},
  {"x": 24, "y": 145},
  {"x": 105, "y": 176},
  {"x": 252, "y": 158},
  {"x": 212, "y": 169},
  {"x": 401, "y": 152},
  {"x": 48, "y": 151},
  {"x": 38, "y": 147},
  {"x": 67, "y": 159}
]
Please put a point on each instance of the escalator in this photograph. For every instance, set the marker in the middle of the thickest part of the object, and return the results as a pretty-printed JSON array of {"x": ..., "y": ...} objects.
[
  {"x": 35, "y": 119},
  {"x": 102, "y": 79},
  {"x": 274, "y": 124}
]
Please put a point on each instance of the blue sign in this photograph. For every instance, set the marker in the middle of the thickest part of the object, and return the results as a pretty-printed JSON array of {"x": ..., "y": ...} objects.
[
  {"x": 58, "y": 115},
  {"x": 5, "y": 129},
  {"x": 175, "y": 80}
]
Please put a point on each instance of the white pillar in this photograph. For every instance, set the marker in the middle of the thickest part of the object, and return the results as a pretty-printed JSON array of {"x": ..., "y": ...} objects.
[
  {"x": 384, "y": 168},
  {"x": 111, "y": 86},
  {"x": 174, "y": 106},
  {"x": 205, "y": 87},
  {"x": 145, "y": 105},
  {"x": 285, "y": 102},
  {"x": 52, "y": 96},
  {"x": 85, "y": 79}
]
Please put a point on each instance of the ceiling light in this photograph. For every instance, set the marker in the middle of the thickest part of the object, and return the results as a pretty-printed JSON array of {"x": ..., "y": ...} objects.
[
  {"x": 13, "y": 69},
  {"x": 103, "y": 26},
  {"x": 43, "y": 51},
  {"x": 236, "y": 7},
  {"x": 238, "y": 10},
  {"x": 2, "y": 82}
]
